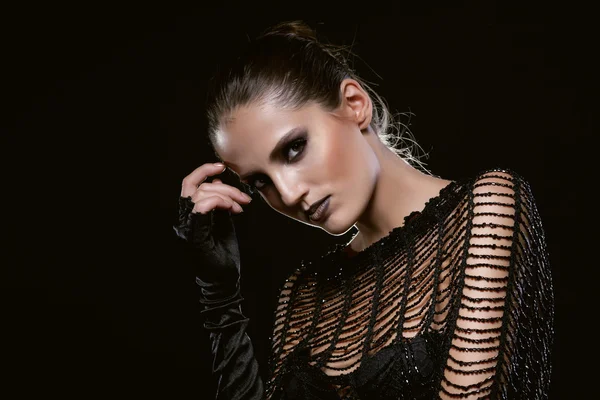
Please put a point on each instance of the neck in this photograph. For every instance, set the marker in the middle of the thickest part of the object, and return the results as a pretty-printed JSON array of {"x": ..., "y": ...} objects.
[{"x": 400, "y": 189}]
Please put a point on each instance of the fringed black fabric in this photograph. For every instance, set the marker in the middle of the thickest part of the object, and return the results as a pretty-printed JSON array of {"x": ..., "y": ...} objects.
[{"x": 455, "y": 304}]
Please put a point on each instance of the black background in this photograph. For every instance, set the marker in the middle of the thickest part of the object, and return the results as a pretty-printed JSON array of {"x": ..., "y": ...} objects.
[{"x": 106, "y": 116}]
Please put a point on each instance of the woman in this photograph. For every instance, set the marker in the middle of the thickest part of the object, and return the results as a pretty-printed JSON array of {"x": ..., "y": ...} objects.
[{"x": 445, "y": 292}]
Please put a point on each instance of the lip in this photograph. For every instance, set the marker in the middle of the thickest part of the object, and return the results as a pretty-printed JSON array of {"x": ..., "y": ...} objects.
[{"x": 316, "y": 212}]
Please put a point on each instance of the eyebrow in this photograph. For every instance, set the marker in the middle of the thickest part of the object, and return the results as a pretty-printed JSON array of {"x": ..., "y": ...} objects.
[{"x": 282, "y": 142}]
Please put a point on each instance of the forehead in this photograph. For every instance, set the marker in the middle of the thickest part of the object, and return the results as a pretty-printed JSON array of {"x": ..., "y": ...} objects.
[{"x": 245, "y": 139}]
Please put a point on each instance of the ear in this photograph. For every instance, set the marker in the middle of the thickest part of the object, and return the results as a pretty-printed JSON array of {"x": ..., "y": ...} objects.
[{"x": 356, "y": 102}]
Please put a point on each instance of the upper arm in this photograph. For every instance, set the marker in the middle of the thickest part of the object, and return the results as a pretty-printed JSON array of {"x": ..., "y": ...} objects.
[{"x": 504, "y": 264}]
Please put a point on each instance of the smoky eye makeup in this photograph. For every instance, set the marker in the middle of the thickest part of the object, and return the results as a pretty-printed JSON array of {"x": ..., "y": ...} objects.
[
  {"x": 255, "y": 178},
  {"x": 290, "y": 151},
  {"x": 295, "y": 147}
]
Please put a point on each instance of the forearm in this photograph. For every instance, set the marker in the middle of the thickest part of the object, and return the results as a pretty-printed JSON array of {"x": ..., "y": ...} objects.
[{"x": 234, "y": 362}]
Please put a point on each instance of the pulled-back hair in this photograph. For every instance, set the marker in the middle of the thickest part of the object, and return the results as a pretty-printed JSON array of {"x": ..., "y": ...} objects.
[{"x": 289, "y": 66}]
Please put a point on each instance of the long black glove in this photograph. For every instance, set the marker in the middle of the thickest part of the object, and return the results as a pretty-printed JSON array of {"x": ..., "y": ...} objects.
[{"x": 214, "y": 247}]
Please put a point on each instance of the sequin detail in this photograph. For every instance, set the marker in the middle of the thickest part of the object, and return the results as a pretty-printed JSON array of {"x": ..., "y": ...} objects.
[{"x": 457, "y": 303}]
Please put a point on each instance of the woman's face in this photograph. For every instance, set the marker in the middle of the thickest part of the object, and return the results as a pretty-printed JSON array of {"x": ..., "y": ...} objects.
[{"x": 297, "y": 158}]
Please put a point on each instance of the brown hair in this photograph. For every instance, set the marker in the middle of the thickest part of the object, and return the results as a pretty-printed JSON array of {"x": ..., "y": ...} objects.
[{"x": 289, "y": 65}]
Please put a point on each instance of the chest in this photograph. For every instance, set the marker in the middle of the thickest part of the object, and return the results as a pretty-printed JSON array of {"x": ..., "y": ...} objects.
[{"x": 356, "y": 319}]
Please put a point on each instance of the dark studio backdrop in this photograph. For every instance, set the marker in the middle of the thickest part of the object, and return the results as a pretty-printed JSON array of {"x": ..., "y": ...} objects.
[{"x": 108, "y": 105}]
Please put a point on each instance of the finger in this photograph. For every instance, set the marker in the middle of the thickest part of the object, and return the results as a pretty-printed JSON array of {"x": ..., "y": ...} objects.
[
  {"x": 201, "y": 195},
  {"x": 244, "y": 197},
  {"x": 196, "y": 177},
  {"x": 222, "y": 188},
  {"x": 213, "y": 202}
]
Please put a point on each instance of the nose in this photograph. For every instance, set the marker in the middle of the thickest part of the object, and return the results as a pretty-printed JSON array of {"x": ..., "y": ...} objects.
[{"x": 290, "y": 188}]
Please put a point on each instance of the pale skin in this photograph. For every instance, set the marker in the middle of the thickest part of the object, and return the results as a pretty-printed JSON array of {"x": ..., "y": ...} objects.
[{"x": 330, "y": 153}]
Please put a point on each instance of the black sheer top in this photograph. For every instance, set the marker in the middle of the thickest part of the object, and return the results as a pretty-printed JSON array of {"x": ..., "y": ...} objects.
[{"x": 457, "y": 303}]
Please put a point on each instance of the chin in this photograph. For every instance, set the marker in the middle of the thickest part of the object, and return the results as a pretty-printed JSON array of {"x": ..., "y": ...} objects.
[
  {"x": 335, "y": 227},
  {"x": 335, "y": 224}
]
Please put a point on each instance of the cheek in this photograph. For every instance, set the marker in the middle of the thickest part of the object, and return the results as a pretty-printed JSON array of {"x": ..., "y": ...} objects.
[{"x": 342, "y": 157}]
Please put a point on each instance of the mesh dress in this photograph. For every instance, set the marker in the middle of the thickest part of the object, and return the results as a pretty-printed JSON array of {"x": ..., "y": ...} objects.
[{"x": 457, "y": 303}]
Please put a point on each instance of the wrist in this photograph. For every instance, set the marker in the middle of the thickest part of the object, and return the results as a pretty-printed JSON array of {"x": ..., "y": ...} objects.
[{"x": 213, "y": 294}]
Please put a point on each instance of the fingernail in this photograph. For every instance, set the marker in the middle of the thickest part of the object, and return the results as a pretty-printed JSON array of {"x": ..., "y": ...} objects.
[
  {"x": 220, "y": 165},
  {"x": 247, "y": 197}
]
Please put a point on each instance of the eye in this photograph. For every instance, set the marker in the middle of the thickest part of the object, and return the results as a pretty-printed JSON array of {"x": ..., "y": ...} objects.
[
  {"x": 259, "y": 181},
  {"x": 291, "y": 152},
  {"x": 296, "y": 147}
]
